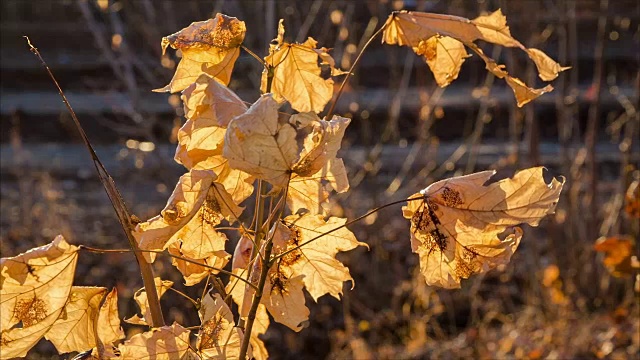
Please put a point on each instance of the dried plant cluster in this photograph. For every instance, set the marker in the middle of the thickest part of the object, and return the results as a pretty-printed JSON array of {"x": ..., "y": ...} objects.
[{"x": 288, "y": 164}]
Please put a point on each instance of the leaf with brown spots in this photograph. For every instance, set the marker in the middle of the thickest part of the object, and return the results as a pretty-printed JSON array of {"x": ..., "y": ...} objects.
[
  {"x": 210, "y": 47},
  {"x": 466, "y": 225},
  {"x": 218, "y": 337},
  {"x": 323, "y": 273},
  {"x": 190, "y": 217},
  {"x": 164, "y": 343},
  {"x": 35, "y": 288}
]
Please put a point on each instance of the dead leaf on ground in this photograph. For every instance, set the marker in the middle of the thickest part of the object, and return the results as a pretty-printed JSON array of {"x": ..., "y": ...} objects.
[{"x": 460, "y": 226}]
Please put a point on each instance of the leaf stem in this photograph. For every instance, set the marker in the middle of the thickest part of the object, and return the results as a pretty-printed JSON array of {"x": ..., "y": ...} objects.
[
  {"x": 124, "y": 217},
  {"x": 104, "y": 251},
  {"x": 253, "y": 55},
  {"x": 346, "y": 78},
  {"x": 346, "y": 224}
]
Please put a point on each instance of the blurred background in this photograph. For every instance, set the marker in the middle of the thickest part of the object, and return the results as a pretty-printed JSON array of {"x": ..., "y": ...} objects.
[{"x": 558, "y": 298}]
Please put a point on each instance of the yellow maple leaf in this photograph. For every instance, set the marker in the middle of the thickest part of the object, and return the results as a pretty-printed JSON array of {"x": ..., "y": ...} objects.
[
  {"x": 108, "y": 326},
  {"x": 195, "y": 208},
  {"x": 236, "y": 289},
  {"x": 209, "y": 47},
  {"x": 444, "y": 55},
  {"x": 35, "y": 289},
  {"x": 323, "y": 273},
  {"x": 419, "y": 30},
  {"x": 140, "y": 297},
  {"x": 461, "y": 226},
  {"x": 164, "y": 343},
  {"x": 264, "y": 144},
  {"x": 192, "y": 272},
  {"x": 75, "y": 330},
  {"x": 218, "y": 337},
  {"x": 297, "y": 75},
  {"x": 209, "y": 106}
]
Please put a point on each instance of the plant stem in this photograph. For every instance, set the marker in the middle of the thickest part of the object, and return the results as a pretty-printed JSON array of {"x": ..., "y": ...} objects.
[
  {"x": 96, "y": 250},
  {"x": 257, "y": 297},
  {"x": 346, "y": 78},
  {"x": 346, "y": 224},
  {"x": 124, "y": 216}
]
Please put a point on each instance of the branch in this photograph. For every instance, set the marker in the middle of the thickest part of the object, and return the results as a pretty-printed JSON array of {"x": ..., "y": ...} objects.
[{"x": 119, "y": 206}]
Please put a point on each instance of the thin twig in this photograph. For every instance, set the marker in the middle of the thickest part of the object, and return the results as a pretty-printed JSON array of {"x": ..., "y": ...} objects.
[{"x": 124, "y": 216}]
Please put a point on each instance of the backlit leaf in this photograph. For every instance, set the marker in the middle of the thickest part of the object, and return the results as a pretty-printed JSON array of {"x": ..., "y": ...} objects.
[
  {"x": 109, "y": 330},
  {"x": 209, "y": 47},
  {"x": 462, "y": 226},
  {"x": 140, "y": 297},
  {"x": 35, "y": 288},
  {"x": 76, "y": 330},
  {"x": 323, "y": 273},
  {"x": 444, "y": 55},
  {"x": 297, "y": 74},
  {"x": 421, "y": 31},
  {"x": 218, "y": 337},
  {"x": 209, "y": 107},
  {"x": 164, "y": 343},
  {"x": 265, "y": 145},
  {"x": 192, "y": 272},
  {"x": 236, "y": 289}
]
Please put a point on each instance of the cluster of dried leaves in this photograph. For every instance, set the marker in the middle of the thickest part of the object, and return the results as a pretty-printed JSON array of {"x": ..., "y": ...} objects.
[{"x": 459, "y": 226}]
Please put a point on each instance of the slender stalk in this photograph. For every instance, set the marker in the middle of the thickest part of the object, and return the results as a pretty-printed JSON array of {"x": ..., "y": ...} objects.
[
  {"x": 103, "y": 251},
  {"x": 353, "y": 66},
  {"x": 346, "y": 224},
  {"x": 257, "y": 297},
  {"x": 124, "y": 216}
]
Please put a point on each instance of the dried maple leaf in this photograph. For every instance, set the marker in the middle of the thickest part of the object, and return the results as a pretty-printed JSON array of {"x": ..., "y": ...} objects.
[
  {"x": 265, "y": 145},
  {"x": 35, "y": 289},
  {"x": 108, "y": 326},
  {"x": 140, "y": 297},
  {"x": 192, "y": 272},
  {"x": 75, "y": 330},
  {"x": 323, "y": 273},
  {"x": 462, "y": 226},
  {"x": 420, "y": 31},
  {"x": 209, "y": 47},
  {"x": 218, "y": 337},
  {"x": 297, "y": 74},
  {"x": 444, "y": 55},
  {"x": 619, "y": 258},
  {"x": 164, "y": 343},
  {"x": 195, "y": 208},
  {"x": 209, "y": 107},
  {"x": 236, "y": 289}
]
